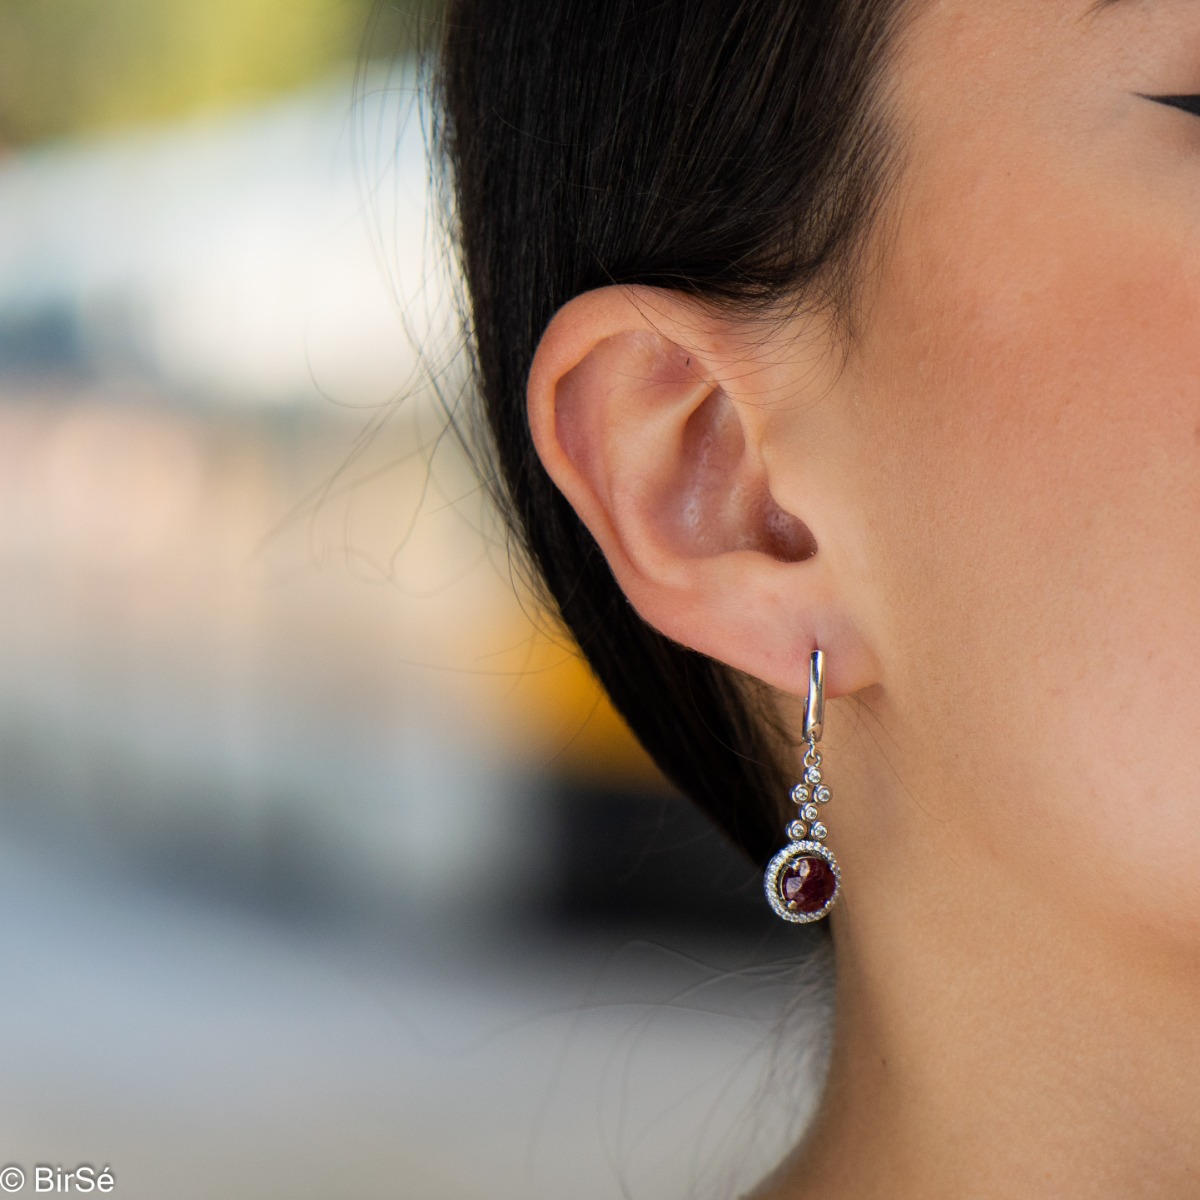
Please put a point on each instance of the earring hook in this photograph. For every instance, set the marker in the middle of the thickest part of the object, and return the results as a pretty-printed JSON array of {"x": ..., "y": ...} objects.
[{"x": 814, "y": 709}]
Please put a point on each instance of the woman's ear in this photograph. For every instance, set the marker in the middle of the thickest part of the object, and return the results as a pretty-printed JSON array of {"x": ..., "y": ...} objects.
[{"x": 655, "y": 423}]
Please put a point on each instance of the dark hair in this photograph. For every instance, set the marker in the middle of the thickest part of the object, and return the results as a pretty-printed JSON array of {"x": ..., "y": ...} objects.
[{"x": 733, "y": 150}]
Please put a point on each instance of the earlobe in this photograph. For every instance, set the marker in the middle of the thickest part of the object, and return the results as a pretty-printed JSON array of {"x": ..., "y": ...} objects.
[{"x": 639, "y": 410}]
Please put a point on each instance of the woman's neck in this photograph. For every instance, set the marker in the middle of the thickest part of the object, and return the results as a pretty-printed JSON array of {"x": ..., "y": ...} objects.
[{"x": 985, "y": 1056}]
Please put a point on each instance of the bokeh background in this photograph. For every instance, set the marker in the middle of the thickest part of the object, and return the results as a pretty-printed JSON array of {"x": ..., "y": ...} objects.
[{"x": 325, "y": 870}]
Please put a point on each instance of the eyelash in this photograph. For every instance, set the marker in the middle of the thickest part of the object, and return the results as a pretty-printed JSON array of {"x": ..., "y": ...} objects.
[{"x": 1187, "y": 104}]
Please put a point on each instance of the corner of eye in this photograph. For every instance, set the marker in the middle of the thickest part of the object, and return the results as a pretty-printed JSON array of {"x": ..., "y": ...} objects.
[{"x": 1189, "y": 104}]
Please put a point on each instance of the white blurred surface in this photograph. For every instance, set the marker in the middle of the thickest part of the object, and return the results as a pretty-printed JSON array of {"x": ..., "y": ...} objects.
[
  {"x": 276, "y": 255},
  {"x": 199, "y": 1052}
]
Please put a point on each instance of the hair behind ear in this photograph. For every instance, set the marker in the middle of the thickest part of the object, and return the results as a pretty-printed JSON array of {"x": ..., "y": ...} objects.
[{"x": 697, "y": 720}]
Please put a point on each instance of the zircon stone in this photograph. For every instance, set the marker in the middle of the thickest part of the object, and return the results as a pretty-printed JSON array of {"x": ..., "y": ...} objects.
[{"x": 807, "y": 885}]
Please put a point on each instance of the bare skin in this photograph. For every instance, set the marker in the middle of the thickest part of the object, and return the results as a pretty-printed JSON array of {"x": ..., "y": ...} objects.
[{"x": 1001, "y": 476}]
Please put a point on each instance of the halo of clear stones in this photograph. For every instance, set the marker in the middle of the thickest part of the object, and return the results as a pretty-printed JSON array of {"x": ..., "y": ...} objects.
[
  {"x": 806, "y": 831},
  {"x": 780, "y": 863}
]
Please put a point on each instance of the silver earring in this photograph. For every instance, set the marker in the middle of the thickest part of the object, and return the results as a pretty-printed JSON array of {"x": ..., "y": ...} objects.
[{"x": 803, "y": 879}]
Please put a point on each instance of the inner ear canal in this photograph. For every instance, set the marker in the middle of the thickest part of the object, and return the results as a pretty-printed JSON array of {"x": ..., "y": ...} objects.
[
  {"x": 784, "y": 537},
  {"x": 725, "y": 502}
]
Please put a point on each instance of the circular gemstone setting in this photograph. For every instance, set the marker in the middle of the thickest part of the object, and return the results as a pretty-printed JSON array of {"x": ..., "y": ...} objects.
[{"x": 802, "y": 881}]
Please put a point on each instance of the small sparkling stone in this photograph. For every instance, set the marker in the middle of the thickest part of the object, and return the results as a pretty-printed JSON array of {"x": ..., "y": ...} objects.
[
  {"x": 797, "y": 831},
  {"x": 810, "y": 812},
  {"x": 812, "y": 775},
  {"x": 822, "y": 795},
  {"x": 800, "y": 793},
  {"x": 807, "y": 885},
  {"x": 818, "y": 831}
]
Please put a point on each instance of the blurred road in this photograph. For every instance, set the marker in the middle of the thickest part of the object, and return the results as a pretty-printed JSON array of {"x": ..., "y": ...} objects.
[{"x": 199, "y": 1050}]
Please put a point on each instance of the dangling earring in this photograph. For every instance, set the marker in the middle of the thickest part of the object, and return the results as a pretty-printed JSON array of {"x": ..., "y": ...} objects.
[{"x": 803, "y": 879}]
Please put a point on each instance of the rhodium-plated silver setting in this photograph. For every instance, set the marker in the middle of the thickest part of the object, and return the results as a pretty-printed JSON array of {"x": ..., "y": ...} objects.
[
  {"x": 790, "y": 893},
  {"x": 783, "y": 859}
]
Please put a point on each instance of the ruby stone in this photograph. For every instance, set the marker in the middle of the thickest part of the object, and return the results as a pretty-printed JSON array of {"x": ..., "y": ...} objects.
[{"x": 807, "y": 884}]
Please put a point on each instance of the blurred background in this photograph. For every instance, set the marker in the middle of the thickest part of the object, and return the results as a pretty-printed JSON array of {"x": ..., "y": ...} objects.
[{"x": 325, "y": 870}]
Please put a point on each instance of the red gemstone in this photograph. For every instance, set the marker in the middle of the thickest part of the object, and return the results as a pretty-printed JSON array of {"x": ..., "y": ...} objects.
[{"x": 807, "y": 884}]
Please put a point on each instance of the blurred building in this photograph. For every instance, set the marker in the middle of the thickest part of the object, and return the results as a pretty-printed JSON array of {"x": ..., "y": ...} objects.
[{"x": 243, "y": 547}]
